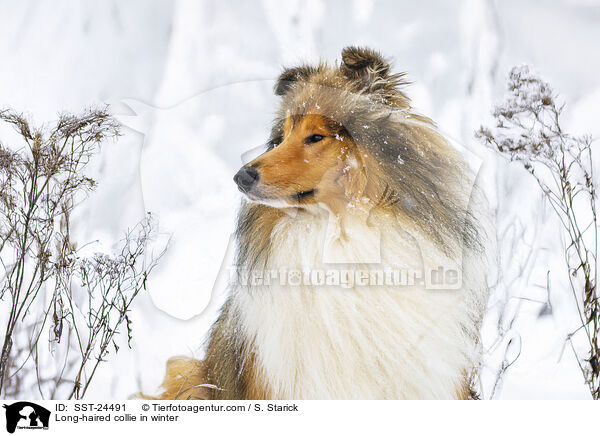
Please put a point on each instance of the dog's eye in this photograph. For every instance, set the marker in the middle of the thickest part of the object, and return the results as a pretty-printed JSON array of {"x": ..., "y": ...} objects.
[{"x": 313, "y": 138}]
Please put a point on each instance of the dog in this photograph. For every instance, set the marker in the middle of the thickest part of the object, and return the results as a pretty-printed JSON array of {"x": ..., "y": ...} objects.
[{"x": 353, "y": 182}]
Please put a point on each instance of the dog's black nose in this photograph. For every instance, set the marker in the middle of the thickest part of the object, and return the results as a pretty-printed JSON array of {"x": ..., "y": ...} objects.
[{"x": 246, "y": 178}]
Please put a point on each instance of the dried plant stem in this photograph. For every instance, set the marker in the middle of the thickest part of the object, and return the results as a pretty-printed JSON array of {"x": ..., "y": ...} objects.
[
  {"x": 49, "y": 289},
  {"x": 528, "y": 131}
]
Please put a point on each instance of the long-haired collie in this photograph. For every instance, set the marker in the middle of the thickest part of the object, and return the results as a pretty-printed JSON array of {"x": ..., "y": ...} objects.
[{"x": 361, "y": 252}]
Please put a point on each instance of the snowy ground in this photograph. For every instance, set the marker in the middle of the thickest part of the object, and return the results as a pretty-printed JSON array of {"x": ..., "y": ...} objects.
[{"x": 192, "y": 80}]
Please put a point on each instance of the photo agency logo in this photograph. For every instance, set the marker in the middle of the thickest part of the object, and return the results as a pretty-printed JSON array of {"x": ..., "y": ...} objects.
[
  {"x": 27, "y": 416},
  {"x": 347, "y": 278}
]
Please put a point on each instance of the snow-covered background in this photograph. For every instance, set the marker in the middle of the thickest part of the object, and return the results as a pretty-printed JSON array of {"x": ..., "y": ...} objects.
[{"x": 192, "y": 81}]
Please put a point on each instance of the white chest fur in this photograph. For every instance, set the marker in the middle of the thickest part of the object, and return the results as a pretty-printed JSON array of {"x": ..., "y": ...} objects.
[{"x": 315, "y": 341}]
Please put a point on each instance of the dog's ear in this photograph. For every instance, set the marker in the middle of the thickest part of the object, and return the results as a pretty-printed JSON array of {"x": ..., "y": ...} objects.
[
  {"x": 290, "y": 76},
  {"x": 364, "y": 66},
  {"x": 369, "y": 71},
  {"x": 356, "y": 59}
]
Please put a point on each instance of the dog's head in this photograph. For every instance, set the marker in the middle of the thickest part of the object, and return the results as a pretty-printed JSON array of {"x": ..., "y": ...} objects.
[
  {"x": 346, "y": 136},
  {"x": 313, "y": 155}
]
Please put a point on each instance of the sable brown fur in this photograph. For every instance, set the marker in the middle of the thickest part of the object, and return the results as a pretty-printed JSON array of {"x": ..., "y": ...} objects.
[{"x": 184, "y": 380}]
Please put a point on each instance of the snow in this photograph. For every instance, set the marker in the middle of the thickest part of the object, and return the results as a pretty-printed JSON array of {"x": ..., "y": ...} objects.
[{"x": 192, "y": 81}]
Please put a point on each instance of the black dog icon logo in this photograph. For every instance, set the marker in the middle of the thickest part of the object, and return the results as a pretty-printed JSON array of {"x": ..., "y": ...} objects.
[{"x": 26, "y": 415}]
